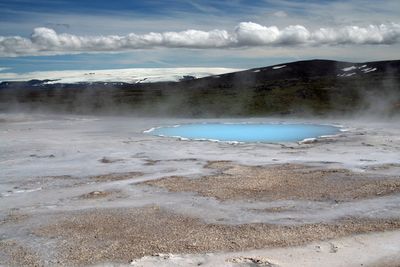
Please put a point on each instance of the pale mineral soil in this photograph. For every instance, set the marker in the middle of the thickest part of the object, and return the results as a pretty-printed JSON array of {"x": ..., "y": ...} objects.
[
  {"x": 371, "y": 250},
  {"x": 78, "y": 190}
]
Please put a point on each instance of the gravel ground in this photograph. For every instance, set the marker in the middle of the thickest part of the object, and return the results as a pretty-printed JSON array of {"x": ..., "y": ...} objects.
[
  {"x": 282, "y": 182},
  {"x": 121, "y": 235}
]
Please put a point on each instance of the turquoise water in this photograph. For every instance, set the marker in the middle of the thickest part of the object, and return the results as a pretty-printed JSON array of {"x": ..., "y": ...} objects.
[{"x": 249, "y": 132}]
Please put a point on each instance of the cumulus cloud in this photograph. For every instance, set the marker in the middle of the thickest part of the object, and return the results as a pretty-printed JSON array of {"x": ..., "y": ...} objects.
[
  {"x": 46, "y": 41},
  {"x": 373, "y": 34}
]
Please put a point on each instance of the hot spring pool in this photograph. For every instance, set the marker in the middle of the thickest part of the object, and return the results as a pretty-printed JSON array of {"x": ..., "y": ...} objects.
[{"x": 246, "y": 132}]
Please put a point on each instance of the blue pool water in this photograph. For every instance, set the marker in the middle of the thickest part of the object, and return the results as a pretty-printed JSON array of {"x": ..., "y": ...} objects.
[{"x": 250, "y": 132}]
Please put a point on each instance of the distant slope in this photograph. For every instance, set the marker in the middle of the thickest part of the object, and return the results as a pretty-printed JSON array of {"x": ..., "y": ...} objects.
[
  {"x": 317, "y": 87},
  {"x": 134, "y": 75}
]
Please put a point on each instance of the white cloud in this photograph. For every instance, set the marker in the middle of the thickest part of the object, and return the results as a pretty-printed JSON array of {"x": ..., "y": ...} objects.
[
  {"x": 4, "y": 68},
  {"x": 294, "y": 35},
  {"x": 249, "y": 33},
  {"x": 373, "y": 34},
  {"x": 45, "y": 41}
]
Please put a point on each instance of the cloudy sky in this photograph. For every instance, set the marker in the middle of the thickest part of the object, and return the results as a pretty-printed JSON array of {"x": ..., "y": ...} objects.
[{"x": 86, "y": 34}]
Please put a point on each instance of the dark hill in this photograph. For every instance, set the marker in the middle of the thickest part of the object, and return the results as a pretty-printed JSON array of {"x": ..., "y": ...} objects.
[{"x": 318, "y": 87}]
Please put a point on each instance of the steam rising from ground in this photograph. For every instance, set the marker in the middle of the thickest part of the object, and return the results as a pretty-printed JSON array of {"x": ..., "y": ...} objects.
[
  {"x": 342, "y": 89},
  {"x": 46, "y": 41}
]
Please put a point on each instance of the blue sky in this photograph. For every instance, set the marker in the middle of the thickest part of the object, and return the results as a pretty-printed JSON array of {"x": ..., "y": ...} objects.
[{"x": 232, "y": 44}]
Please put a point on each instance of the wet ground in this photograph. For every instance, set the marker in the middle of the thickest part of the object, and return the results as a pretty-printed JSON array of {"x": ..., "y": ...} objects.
[{"x": 66, "y": 181}]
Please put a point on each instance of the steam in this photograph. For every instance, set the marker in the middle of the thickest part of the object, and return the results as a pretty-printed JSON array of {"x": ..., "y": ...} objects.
[
  {"x": 314, "y": 88},
  {"x": 46, "y": 41}
]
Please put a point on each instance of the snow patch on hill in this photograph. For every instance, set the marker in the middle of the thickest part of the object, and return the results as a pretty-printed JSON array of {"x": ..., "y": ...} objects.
[
  {"x": 354, "y": 70},
  {"x": 278, "y": 67},
  {"x": 369, "y": 70},
  {"x": 350, "y": 68}
]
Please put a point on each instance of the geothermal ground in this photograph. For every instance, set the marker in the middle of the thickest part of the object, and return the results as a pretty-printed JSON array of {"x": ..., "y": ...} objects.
[{"x": 80, "y": 190}]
